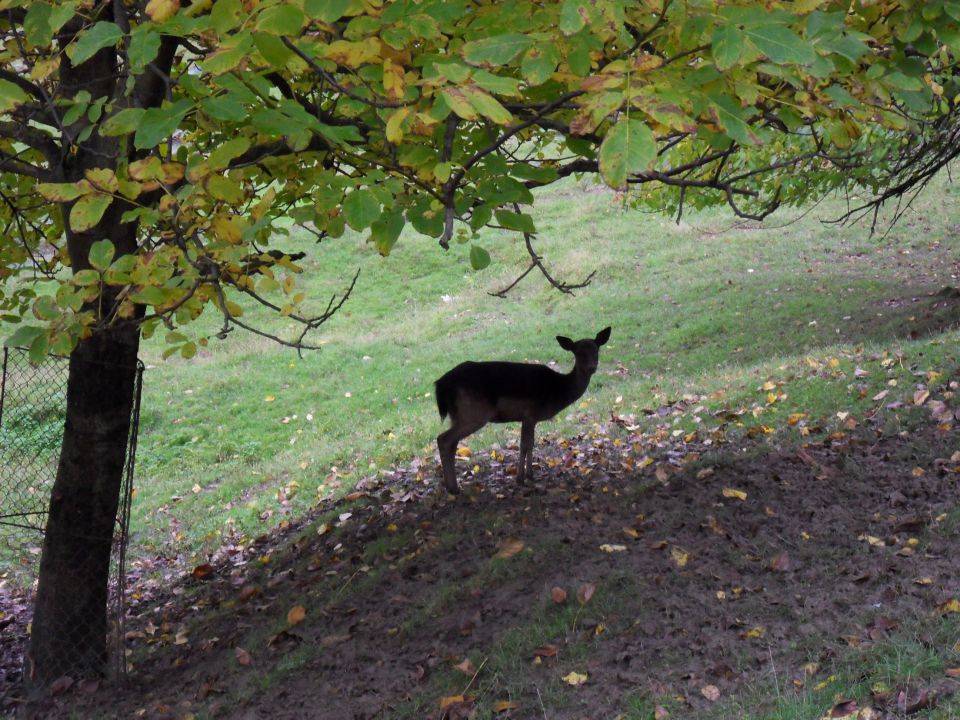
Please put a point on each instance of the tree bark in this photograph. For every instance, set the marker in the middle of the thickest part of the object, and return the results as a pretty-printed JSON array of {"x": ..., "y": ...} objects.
[{"x": 70, "y": 623}]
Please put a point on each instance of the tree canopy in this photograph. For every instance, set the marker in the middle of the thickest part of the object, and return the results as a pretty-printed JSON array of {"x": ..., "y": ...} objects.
[{"x": 202, "y": 124}]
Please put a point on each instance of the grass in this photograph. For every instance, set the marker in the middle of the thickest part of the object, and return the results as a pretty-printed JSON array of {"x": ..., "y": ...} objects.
[{"x": 248, "y": 433}]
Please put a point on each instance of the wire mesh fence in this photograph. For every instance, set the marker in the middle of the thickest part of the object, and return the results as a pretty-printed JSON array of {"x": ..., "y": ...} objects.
[{"x": 32, "y": 414}]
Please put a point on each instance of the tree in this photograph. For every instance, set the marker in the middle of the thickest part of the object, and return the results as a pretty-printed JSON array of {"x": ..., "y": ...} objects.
[{"x": 149, "y": 149}]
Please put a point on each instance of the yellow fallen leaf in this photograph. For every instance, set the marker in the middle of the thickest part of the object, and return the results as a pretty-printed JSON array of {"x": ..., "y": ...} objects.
[
  {"x": 509, "y": 547},
  {"x": 503, "y": 705},
  {"x": 731, "y": 493},
  {"x": 769, "y": 385},
  {"x": 950, "y": 606},
  {"x": 630, "y": 532},
  {"x": 757, "y": 632},
  {"x": 575, "y": 678},
  {"x": 680, "y": 556},
  {"x": 710, "y": 692},
  {"x": 926, "y": 580},
  {"x": 607, "y": 547},
  {"x": 466, "y": 667},
  {"x": 452, "y": 700},
  {"x": 463, "y": 452},
  {"x": 323, "y": 529},
  {"x": 296, "y": 615},
  {"x": 269, "y": 398},
  {"x": 875, "y": 541}
]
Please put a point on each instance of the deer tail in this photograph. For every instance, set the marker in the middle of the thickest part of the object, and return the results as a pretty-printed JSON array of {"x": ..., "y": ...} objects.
[{"x": 445, "y": 393}]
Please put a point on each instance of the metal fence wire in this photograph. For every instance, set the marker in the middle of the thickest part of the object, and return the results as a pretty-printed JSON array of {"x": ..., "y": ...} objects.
[{"x": 32, "y": 412}]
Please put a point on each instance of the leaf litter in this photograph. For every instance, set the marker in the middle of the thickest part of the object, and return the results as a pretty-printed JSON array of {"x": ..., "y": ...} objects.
[{"x": 801, "y": 563}]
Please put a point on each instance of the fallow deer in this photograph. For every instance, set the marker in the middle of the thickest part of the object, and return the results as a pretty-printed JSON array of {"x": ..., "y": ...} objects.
[{"x": 477, "y": 393}]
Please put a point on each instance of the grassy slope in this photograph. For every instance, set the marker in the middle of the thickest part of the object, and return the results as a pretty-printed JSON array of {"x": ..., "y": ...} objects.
[{"x": 249, "y": 431}]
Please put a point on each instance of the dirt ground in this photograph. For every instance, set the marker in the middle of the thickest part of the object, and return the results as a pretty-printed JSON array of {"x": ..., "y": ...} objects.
[{"x": 732, "y": 566}]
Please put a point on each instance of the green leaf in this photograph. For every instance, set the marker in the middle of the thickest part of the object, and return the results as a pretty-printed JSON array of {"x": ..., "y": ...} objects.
[
  {"x": 123, "y": 122},
  {"x": 360, "y": 209},
  {"x": 495, "y": 50},
  {"x": 487, "y": 105},
  {"x": 159, "y": 123},
  {"x": 733, "y": 120},
  {"x": 222, "y": 155},
  {"x": 11, "y": 96},
  {"x": 539, "y": 63},
  {"x": 521, "y": 222},
  {"x": 85, "y": 278},
  {"x": 87, "y": 211},
  {"x": 64, "y": 192},
  {"x": 479, "y": 258},
  {"x": 223, "y": 188},
  {"x": 727, "y": 46},
  {"x": 226, "y": 108},
  {"x": 36, "y": 24},
  {"x": 386, "y": 231},
  {"x": 225, "y": 15},
  {"x": 573, "y": 16},
  {"x": 281, "y": 20},
  {"x": 38, "y": 348},
  {"x": 101, "y": 254},
  {"x": 143, "y": 49},
  {"x": 327, "y": 10},
  {"x": 24, "y": 336},
  {"x": 45, "y": 308},
  {"x": 781, "y": 44},
  {"x": 101, "y": 35},
  {"x": 272, "y": 49},
  {"x": 629, "y": 147}
]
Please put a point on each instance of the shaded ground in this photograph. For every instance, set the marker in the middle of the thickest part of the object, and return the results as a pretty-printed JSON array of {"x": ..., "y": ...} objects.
[{"x": 692, "y": 586}]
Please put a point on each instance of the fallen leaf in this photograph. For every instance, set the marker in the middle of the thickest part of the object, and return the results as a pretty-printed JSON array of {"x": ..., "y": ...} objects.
[
  {"x": 243, "y": 657},
  {"x": 463, "y": 452},
  {"x": 585, "y": 592},
  {"x": 680, "y": 556},
  {"x": 248, "y": 593},
  {"x": 756, "y": 632},
  {"x": 546, "y": 651},
  {"x": 558, "y": 595},
  {"x": 503, "y": 705},
  {"x": 843, "y": 708},
  {"x": 202, "y": 572},
  {"x": 574, "y": 678},
  {"x": 296, "y": 615},
  {"x": 451, "y": 700},
  {"x": 950, "y": 606},
  {"x": 61, "y": 685},
  {"x": 333, "y": 640},
  {"x": 952, "y": 672},
  {"x": 466, "y": 667},
  {"x": 732, "y": 493},
  {"x": 660, "y": 713},
  {"x": 607, "y": 547},
  {"x": 780, "y": 562},
  {"x": 509, "y": 547},
  {"x": 710, "y": 692}
]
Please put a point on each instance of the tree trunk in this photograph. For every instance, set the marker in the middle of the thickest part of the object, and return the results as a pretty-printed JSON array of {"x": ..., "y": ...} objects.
[{"x": 69, "y": 632}]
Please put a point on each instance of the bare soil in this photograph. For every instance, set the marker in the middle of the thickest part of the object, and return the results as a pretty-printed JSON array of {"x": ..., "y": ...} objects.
[{"x": 821, "y": 550}]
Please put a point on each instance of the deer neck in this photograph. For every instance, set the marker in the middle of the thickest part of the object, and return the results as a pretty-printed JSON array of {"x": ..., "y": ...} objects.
[{"x": 578, "y": 380}]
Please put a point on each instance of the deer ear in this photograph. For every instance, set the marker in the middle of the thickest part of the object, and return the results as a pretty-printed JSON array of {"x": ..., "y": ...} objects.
[
  {"x": 602, "y": 336},
  {"x": 565, "y": 342}
]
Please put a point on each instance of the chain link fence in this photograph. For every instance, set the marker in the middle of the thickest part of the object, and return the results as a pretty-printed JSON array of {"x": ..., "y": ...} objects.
[{"x": 32, "y": 413}]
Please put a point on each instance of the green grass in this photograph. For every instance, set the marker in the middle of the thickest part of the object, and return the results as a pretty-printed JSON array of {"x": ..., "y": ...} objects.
[{"x": 248, "y": 433}]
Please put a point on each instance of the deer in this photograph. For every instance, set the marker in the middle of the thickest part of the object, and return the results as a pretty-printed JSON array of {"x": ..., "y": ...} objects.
[{"x": 476, "y": 393}]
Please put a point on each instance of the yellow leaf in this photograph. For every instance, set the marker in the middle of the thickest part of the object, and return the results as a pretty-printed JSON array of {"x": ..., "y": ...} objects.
[
  {"x": 394, "y": 82},
  {"x": 160, "y": 10},
  {"x": 509, "y": 547},
  {"x": 756, "y": 632},
  {"x": 731, "y": 493},
  {"x": 228, "y": 228},
  {"x": 606, "y": 547},
  {"x": 323, "y": 529},
  {"x": 393, "y": 129},
  {"x": 710, "y": 692},
  {"x": 466, "y": 667},
  {"x": 794, "y": 418},
  {"x": 575, "y": 678},
  {"x": 629, "y": 531},
  {"x": 269, "y": 398},
  {"x": 875, "y": 541},
  {"x": 950, "y": 606},
  {"x": 503, "y": 705},
  {"x": 463, "y": 452},
  {"x": 680, "y": 557},
  {"x": 769, "y": 385},
  {"x": 296, "y": 615},
  {"x": 451, "y": 700}
]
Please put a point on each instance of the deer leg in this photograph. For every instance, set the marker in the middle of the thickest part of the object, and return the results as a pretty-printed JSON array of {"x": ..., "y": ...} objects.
[
  {"x": 447, "y": 444},
  {"x": 526, "y": 450}
]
